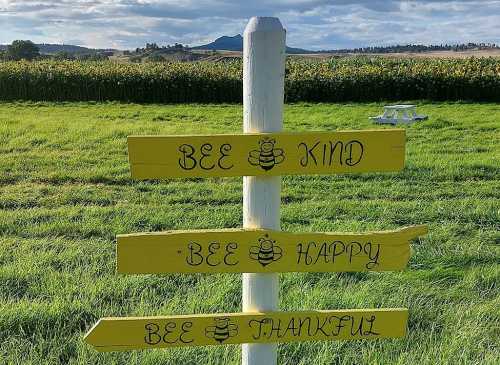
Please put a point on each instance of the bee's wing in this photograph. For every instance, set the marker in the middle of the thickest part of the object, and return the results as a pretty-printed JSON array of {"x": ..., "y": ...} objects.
[
  {"x": 277, "y": 253},
  {"x": 253, "y": 157},
  {"x": 233, "y": 330},
  {"x": 279, "y": 155},
  {"x": 254, "y": 252},
  {"x": 210, "y": 331}
]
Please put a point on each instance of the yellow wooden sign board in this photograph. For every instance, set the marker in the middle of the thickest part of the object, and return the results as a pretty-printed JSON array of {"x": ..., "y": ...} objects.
[
  {"x": 131, "y": 333},
  {"x": 239, "y": 250},
  {"x": 154, "y": 157}
]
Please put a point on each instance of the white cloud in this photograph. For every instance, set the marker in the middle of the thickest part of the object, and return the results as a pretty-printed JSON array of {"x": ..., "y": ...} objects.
[{"x": 316, "y": 24}]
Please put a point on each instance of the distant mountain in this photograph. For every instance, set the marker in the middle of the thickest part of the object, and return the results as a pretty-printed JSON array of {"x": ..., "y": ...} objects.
[
  {"x": 235, "y": 43},
  {"x": 293, "y": 50},
  {"x": 55, "y": 48},
  {"x": 224, "y": 43}
]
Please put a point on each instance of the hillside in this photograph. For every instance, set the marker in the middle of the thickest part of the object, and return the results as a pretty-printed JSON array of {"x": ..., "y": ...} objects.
[
  {"x": 235, "y": 43},
  {"x": 55, "y": 48}
]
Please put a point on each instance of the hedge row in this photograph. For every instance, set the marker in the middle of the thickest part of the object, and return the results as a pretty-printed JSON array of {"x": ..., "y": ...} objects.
[{"x": 351, "y": 79}]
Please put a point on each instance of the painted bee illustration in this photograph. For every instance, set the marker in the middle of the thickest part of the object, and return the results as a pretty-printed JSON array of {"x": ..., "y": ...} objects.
[
  {"x": 267, "y": 156},
  {"x": 266, "y": 252},
  {"x": 222, "y": 330}
]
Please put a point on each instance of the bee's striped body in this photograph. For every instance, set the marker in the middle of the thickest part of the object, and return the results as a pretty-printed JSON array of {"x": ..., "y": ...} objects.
[
  {"x": 266, "y": 252},
  {"x": 267, "y": 156},
  {"x": 266, "y": 255},
  {"x": 267, "y": 160},
  {"x": 222, "y": 330}
]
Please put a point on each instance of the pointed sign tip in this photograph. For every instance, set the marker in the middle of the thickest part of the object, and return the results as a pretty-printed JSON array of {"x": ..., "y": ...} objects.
[
  {"x": 416, "y": 231},
  {"x": 90, "y": 336},
  {"x": 136, "y": 333}
]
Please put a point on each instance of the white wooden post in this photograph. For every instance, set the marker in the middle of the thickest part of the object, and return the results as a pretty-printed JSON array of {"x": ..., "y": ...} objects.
[{"x": 263, "y": 97}]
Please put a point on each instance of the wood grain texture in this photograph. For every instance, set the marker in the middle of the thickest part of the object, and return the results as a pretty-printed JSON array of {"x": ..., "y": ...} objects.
[
  {"x": 133, "y": 333},
  {"x": 264, "y": 43},
  {"x": 263, "y": 251},
  {"x": 266, "y": 154}
]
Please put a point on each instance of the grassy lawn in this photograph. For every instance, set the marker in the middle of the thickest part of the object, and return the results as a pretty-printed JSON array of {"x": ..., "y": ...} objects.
[{"x": 66, "y": 192}]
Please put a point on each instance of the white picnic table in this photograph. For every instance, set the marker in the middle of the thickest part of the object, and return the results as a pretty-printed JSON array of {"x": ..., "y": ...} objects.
[{"x": 394, "y": 114}]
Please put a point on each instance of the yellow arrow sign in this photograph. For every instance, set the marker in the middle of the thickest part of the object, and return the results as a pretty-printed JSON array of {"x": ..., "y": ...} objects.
[
  {"x": 154, "y": 157},
  {"x": 131, "y": 333},
  {"x": 238, "y": 250}
]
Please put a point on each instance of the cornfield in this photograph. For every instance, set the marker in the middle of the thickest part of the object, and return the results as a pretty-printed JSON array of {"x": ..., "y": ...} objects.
[{"x": 349, "y": 79}]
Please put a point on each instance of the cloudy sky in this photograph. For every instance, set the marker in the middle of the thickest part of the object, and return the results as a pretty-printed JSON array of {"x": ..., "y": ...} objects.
[{"x": 311, "y": 24}]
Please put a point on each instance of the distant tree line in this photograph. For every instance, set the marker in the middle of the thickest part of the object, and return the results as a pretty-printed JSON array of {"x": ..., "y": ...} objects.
[
  {"x": 20, "y": 50},
  {"x": 154, "y": 53},
  {"x": 29, "y": 51},
  {"x": 151, "y": 47},
  {"x": 416, "y": 48},
  {"x": 62, "y": 55}
]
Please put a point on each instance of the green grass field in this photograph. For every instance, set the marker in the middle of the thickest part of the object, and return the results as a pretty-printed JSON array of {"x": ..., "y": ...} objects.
[{"x": 66, "y": 193}]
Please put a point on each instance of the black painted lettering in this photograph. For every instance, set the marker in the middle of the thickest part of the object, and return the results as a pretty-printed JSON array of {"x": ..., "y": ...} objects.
[
  {"x": 275, "y": 329},
  {"x": 302, "y": 322},
  {"x": 341, "y": 324},
  {"x": 338, "y": 249},
  {"x": 303, "y": 160},
  {"x": 373, "y": 254},
  {"x": 259, "y": 325},
  {"x": 152, "y": 337},
  {"x": 194, "y": 258},
  {"x": 291, "y": 327},
  {"x": 333, "y": 147},
  {"x": 370, "y": 331},
  {"x": 304, "y": 254},
  {"x": 224, "y": 152},
  {"x": 169, "y": 328},
  {"x": 206, "y": 148},
  {"x": 186, "y": 329},
  {"x": 324, "y": 154},
  {"x": 187, "y": 162},
  {"x": 308, "y": 152},
  {"x": 322, "y": 253},
  {"x": 355, "y": 153},
  {"x": 353, "y": 249},
  {"x": 320, "y": 325},
  {"x": 212, "y": 249},
  {"x": 359, "y": 330},
  {"x": 337, "y": 320},
  {"x": 230, "y": 247}
]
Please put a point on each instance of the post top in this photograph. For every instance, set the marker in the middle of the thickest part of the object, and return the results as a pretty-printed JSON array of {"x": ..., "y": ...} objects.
[{"x": 263, "y": 24}]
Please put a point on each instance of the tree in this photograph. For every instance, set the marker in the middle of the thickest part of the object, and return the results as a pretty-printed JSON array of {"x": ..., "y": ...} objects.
[
  {"x": 62, "y": 55},
  {"x": 152, "y": 46},
  {"x": 92, "y": 57},
  {"x": 136, "y": 59},
  {"x": 155, "y": 58},
  {"x": 19, "y": 50}
]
